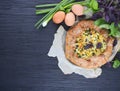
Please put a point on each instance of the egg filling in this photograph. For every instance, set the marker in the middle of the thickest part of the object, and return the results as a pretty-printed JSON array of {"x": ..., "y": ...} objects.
[{"x": 90, "y": 43}]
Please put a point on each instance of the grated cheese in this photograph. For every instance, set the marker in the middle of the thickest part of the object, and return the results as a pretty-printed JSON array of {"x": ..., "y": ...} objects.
[{"x": 90, "y": 43}]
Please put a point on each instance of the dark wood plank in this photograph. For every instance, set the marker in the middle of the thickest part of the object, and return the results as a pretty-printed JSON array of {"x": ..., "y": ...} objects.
[{"x": 24, "y": 64}]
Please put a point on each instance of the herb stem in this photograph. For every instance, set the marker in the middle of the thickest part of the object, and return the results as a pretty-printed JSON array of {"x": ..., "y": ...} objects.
[
  {"x": 46, "y": 17},
  {"x": 43, "y": 11},
  {"x": 82, "y": 3},
  {"x": 110, "y": 3},
  {"x": 49, "y": 16},
  {"x": 46, "y": 5},
  {"x": 64, "y": 7}
]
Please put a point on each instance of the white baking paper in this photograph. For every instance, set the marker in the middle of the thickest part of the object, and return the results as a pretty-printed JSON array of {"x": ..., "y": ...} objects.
[
  {"x": 115, "y": 50},
  {"x": 57, "y": 50}
]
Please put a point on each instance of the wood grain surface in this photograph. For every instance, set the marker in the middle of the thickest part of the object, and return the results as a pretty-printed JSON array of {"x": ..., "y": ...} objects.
[{"x": 24, "y": 64}]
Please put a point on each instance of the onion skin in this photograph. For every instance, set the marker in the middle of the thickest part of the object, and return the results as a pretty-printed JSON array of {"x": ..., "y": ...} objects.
[
  {"x": 58, "y": 17},
  {"x": 69, "y": 19}
]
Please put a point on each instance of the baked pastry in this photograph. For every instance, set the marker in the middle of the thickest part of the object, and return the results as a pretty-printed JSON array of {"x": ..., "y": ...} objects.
[{"x": 87, "y": 45}]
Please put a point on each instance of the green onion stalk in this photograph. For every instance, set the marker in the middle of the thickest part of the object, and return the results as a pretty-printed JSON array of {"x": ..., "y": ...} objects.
[
  {"x": 84, "y": 3},
  {"x": 51, "y": 9},
  {"x": 46, "y": 5},
  {"x": 50, "y": 14}
]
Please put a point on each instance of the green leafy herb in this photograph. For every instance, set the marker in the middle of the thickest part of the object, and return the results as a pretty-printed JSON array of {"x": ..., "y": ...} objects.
[
  {"x": 119, "y": 25},
  {"x": 114, "y": 30},
  {"x": 116, "y": 63},
  {"x": 100, "y": 21},
  {"x": 94, "y": 4},
  {"x": 105, "y": 26}
]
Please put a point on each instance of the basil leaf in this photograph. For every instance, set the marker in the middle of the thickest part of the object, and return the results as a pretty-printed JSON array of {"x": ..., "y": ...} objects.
[
  {"x": 114, "y": 31},
  {"x": 94, "y": 4},
  {"x": 105, "y": 26},
  {"x": 99, "y": 22},
  {"x": 116, "y": 63},
  {"x": 119, "y": 25}
]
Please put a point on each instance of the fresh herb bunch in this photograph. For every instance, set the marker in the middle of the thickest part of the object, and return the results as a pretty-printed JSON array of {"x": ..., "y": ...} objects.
[
  {"x": 114, "y": 30},
  {"x": 109, "y": 10},
  {"x": 108, "y": 16}
]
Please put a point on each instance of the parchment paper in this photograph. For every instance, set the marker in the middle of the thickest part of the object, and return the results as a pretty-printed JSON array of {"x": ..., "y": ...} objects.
[{"x": 57, "y": 50}]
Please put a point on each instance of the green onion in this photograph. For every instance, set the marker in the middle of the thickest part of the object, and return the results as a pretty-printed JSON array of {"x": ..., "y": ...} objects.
[
  {"x": 49, "y": 16},
  {"x": 45, "y": 5},
  {"x": 65, "y": 7},
  {"x": 43, "y": 11},
  {"x": 82, "y": 3},
  {"x": 39, "y": 23}
]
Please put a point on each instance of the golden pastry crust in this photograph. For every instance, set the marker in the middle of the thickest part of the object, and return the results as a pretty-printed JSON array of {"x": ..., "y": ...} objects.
[{"x": 94, "y": 61}]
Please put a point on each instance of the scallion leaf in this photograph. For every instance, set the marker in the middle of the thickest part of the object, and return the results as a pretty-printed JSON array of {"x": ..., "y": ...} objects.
[{"x": 45, "y": 5}]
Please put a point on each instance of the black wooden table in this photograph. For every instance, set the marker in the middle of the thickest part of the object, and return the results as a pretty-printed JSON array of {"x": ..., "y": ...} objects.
[{"x": 24, "y": 64}]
